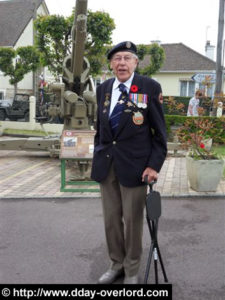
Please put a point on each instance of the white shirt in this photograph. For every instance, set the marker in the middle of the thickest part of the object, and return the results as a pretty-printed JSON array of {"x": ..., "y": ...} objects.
[
  {"x": 194, "y": 103},
  {"x": 116, "y": 92}
]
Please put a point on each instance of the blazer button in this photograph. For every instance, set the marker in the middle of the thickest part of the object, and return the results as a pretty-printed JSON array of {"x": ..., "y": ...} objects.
[
  {"x": 114, "y": 142},
  {"x": 107, "y": 155}
]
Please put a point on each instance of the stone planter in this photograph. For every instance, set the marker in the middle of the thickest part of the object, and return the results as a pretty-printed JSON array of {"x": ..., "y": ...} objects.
[{"x": 204, "y": 175}]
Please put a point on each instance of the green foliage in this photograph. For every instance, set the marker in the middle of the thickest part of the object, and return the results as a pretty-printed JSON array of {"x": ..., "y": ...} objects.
[
  {"x": 205, "y": 103},
  {"x": 173, "y": 110},
  {"x": 141, "y": 51},
  {"x": 175, "y": 120},
  {"x": 6, "y": 60},
  {"x": 157, "y": 57},
  {"x": 175, "y": 107},
  {"x": 99, "y": 28},
  {"x": 54, "y": 39},
  {"x": 17, "y": 63}
]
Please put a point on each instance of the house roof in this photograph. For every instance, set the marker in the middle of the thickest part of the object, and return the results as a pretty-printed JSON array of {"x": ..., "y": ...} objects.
[
  {"x": 181, "y": 58},
  {"x": 14, "y": 17}
]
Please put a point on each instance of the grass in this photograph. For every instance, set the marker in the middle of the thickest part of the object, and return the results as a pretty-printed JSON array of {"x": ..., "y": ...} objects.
[
  {"x": 25, "y": 132},
  {"x": 220, "y": 150}
]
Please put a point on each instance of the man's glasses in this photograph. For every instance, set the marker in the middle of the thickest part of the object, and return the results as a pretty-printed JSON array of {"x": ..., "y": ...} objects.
[{"x": 126, "y": 58}]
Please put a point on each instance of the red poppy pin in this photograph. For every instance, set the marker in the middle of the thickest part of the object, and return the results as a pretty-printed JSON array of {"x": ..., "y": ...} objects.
[{"x": 134, "y": 88}]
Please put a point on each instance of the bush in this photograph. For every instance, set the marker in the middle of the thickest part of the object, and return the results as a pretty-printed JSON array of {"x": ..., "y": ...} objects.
[
  {"x": 174, "y": 105},
  {"x": 217, "y": 133}
]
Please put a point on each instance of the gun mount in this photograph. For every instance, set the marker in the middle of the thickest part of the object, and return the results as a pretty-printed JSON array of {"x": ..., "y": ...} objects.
[{"x": 74, "y": 99}]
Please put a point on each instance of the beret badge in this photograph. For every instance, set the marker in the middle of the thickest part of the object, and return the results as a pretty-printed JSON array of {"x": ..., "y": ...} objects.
[{"x": 128, "y": 45}]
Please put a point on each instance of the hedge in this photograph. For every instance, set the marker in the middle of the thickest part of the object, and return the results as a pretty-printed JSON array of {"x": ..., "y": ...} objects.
[
  {"x": 217, "y": 133},
  {"x": 205, "y": 103}
]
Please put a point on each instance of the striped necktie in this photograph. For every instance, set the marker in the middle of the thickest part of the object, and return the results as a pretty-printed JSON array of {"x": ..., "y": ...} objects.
[{"x": 118, "y": 109}]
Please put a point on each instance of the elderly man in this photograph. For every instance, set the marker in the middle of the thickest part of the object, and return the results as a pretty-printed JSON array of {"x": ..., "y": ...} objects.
[{"x": 130, "y": 143}]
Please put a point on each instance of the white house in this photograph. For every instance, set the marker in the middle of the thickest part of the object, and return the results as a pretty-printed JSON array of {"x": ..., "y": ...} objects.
[
  {"x": 16, "y": 30},
  {"x": 180, "y": 65}
]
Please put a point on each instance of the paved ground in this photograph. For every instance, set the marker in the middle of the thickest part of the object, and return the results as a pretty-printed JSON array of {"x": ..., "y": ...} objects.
[
  {"x": 31, "y": 175},
  {"x": 53, "y": 237},
  {"x": 55, "y": 241}
]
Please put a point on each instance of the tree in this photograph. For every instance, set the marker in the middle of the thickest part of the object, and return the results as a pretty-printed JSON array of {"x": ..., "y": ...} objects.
[
  {"x": 157, "y": 56},
  {"x": 16, "y": 63},
  {"x": 54, "y": 39},
  {"x": 99, "y": 28}
]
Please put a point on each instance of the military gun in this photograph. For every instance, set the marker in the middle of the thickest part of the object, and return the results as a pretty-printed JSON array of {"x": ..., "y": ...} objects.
[{"x": 75, "y": 99}]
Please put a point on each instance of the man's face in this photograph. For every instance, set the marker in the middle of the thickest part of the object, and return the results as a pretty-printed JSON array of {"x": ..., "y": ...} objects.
[{"x": 123, "y": 65}]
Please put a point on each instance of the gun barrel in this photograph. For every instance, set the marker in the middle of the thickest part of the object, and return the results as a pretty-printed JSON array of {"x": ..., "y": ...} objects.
[
  {"x": 78, "y": 55},
  {"x": 81, "y": 8},
  {"x": 78, "y": 37}
]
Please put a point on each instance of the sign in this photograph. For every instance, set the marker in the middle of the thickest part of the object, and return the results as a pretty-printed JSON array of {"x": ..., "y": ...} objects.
[
  {"x": 200, "y": 77},
  {"x": 77, "y": 144}
]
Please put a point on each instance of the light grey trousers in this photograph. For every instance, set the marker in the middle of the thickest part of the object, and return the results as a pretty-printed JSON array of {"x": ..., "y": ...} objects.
[{"x": 123, "y": 209}]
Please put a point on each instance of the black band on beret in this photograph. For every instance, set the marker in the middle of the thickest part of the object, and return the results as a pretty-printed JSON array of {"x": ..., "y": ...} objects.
[{"x": 124, "y": 46}]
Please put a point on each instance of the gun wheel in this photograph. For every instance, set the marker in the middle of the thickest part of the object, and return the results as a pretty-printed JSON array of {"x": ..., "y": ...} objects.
[
  {"x": 27, "y": 116},
  {"x": 2, "y": 115}
]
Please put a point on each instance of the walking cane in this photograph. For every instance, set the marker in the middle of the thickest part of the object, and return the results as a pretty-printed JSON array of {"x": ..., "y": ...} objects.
[{"x": 153, "y": 212}]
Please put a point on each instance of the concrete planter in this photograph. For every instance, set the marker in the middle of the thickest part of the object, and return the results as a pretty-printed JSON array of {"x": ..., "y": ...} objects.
[{"x": 204, "y": 175}]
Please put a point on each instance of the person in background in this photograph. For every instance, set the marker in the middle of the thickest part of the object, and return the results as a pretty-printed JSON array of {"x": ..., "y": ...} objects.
[
  {"x": 194, "y": 104},
  {"x": 130, "y": 146}
]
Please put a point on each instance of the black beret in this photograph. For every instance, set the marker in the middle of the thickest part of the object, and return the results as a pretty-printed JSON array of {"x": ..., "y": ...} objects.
[{"x": 124, "y": 46}]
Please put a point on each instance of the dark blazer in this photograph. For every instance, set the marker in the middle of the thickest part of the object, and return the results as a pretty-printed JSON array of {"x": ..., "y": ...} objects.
[{"x": 134, "y": 147}]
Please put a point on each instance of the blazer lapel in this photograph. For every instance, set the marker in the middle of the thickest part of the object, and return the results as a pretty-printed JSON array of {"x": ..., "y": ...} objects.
[{"x": 106, "y": 105}]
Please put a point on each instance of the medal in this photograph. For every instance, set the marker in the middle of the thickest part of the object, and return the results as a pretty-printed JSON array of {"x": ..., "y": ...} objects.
[
  {"x": 138, "y": 118},
  {"x": 129, "y": 104},
  {"x": 140, "y": 100},
  {"x": 144, "y": 105},
  {"x": 107, "y": 96},
  {"x": 120, "y": 101},
  {"x": 106, "y": 103}
]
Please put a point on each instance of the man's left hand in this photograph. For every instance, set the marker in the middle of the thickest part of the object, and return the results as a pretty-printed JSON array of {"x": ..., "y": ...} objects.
[{"x": 152, "y": 174}]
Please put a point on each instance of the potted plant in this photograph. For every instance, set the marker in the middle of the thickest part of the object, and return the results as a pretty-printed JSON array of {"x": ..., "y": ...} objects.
[{"x": 204, "y": 167}]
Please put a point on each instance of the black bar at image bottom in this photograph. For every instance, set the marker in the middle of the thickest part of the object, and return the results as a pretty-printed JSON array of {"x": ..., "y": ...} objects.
[{"x": 85, "y": 291}]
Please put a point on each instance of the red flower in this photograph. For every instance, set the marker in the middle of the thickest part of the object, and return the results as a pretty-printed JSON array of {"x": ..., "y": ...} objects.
[
  {"x": 202, "y": 145},
  {"x": 133, "y": 88}
]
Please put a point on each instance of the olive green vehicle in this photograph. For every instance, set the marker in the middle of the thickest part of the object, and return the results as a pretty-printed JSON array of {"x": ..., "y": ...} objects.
[
  {"x": 19, "y": 109},
  {"x": 74, "y": 99}
]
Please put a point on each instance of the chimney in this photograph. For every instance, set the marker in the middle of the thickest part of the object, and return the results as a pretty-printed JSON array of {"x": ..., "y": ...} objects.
[
  {"x": 209, "y": 50},
  {"x": 156, "y": 42}
]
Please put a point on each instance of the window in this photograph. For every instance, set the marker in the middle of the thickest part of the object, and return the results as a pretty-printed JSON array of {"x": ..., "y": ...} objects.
[
  {"x": 209, "y": 89},
  {"x": 187, "y": 88}
]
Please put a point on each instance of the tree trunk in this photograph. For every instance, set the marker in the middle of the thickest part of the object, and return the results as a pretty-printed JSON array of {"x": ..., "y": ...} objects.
[
  {"x": 15, "y": 89},
  {"x": 219, "y": 56}
]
